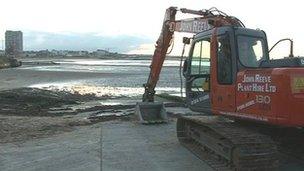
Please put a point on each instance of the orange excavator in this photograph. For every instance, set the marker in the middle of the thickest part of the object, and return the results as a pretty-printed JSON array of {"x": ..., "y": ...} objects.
[{"x": 229, "y": 79}]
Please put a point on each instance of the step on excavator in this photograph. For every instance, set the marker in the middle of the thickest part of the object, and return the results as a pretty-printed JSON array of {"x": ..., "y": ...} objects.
[{"x": 229, "y": 79}]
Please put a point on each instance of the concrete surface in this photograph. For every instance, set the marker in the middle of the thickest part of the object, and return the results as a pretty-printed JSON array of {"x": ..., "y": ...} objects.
[
  {"x": 76, "y": 150},
  {"x": 131, "y": 146},
  {"x": 125, "y": 146}
]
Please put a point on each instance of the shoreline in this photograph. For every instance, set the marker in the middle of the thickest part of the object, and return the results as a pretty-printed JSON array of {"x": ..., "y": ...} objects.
[{"x": 7, "y": 62}]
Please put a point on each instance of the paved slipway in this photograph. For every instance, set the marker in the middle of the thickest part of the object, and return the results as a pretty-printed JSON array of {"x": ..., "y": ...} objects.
[
  {"x": 125, "y": 146},
  {"x": 112, "y": 145}
]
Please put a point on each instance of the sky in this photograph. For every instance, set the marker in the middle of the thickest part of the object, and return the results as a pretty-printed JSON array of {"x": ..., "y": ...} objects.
[{"x": 133, "y": 26}]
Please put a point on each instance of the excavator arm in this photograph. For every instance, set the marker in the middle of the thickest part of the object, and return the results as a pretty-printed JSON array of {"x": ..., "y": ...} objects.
[
  {"x": 206, "y": 21},
  {"x": 162, "y": 45}
]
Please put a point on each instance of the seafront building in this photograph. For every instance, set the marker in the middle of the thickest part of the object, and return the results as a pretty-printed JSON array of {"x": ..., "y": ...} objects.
[{"x": 13, "y": 43}]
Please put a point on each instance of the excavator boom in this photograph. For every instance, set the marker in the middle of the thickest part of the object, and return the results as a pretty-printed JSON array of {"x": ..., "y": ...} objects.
[
  {"x": 161, "y": 47},
  {"x": 206, "y": 21}
]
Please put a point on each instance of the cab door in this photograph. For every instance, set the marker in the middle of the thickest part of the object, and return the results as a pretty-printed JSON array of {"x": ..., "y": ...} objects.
[
  {"x": 223, "y": 74},
  {"x": 198, "y": 75}
]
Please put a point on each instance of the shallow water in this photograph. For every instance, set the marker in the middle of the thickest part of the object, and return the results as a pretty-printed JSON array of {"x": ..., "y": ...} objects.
[{"x": 127, "y": 79}]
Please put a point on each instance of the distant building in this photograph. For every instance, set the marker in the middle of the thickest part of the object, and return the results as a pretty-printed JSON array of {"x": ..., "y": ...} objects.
[
  {"x": 43, "y": 53},
  {"x": 13, "y": 42},
  {"x": 100, "y": 53},
  {"x": 77, "y": 53},
  {"x": 29, "y": 53}
]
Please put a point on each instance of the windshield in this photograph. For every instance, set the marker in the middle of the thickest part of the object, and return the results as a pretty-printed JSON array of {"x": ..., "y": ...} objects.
[{"x": 251, "y": 51}]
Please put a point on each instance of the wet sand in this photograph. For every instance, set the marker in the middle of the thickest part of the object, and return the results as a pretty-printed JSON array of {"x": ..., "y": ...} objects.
[{"x": 16, "y": 77}]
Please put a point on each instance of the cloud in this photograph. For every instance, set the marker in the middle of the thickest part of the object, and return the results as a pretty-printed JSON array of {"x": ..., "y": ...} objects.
[{"x": 34, "y": 40}]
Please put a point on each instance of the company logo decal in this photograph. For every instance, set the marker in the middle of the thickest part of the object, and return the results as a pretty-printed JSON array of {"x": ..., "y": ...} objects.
[
  {"x": 256, "y": 83},
  {"x": 200, "y": 99}
]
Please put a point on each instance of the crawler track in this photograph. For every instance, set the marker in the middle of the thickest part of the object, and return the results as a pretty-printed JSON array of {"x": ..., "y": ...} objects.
[
  {"x": 289, "y": 140},
  {"x": 225, "y": 145}
]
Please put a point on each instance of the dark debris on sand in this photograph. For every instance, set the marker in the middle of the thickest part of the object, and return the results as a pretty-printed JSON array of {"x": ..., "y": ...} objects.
[{"x": 36, "y": 102}]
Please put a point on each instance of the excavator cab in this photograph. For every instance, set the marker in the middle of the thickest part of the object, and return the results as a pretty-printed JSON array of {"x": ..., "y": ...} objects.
[{"x": 215, "y": 58}]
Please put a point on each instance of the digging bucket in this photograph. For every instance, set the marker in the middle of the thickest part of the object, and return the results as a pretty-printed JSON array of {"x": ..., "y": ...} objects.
[{"x": 151, "y": 112}]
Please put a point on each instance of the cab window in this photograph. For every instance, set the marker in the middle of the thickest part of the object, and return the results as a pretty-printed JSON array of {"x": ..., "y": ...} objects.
[
  {"x": 200, "y": 63},
  {"x": 200, "y": 66},
  {"x": 224, "y": 60},
  {"x": 251, "y": 51}
]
